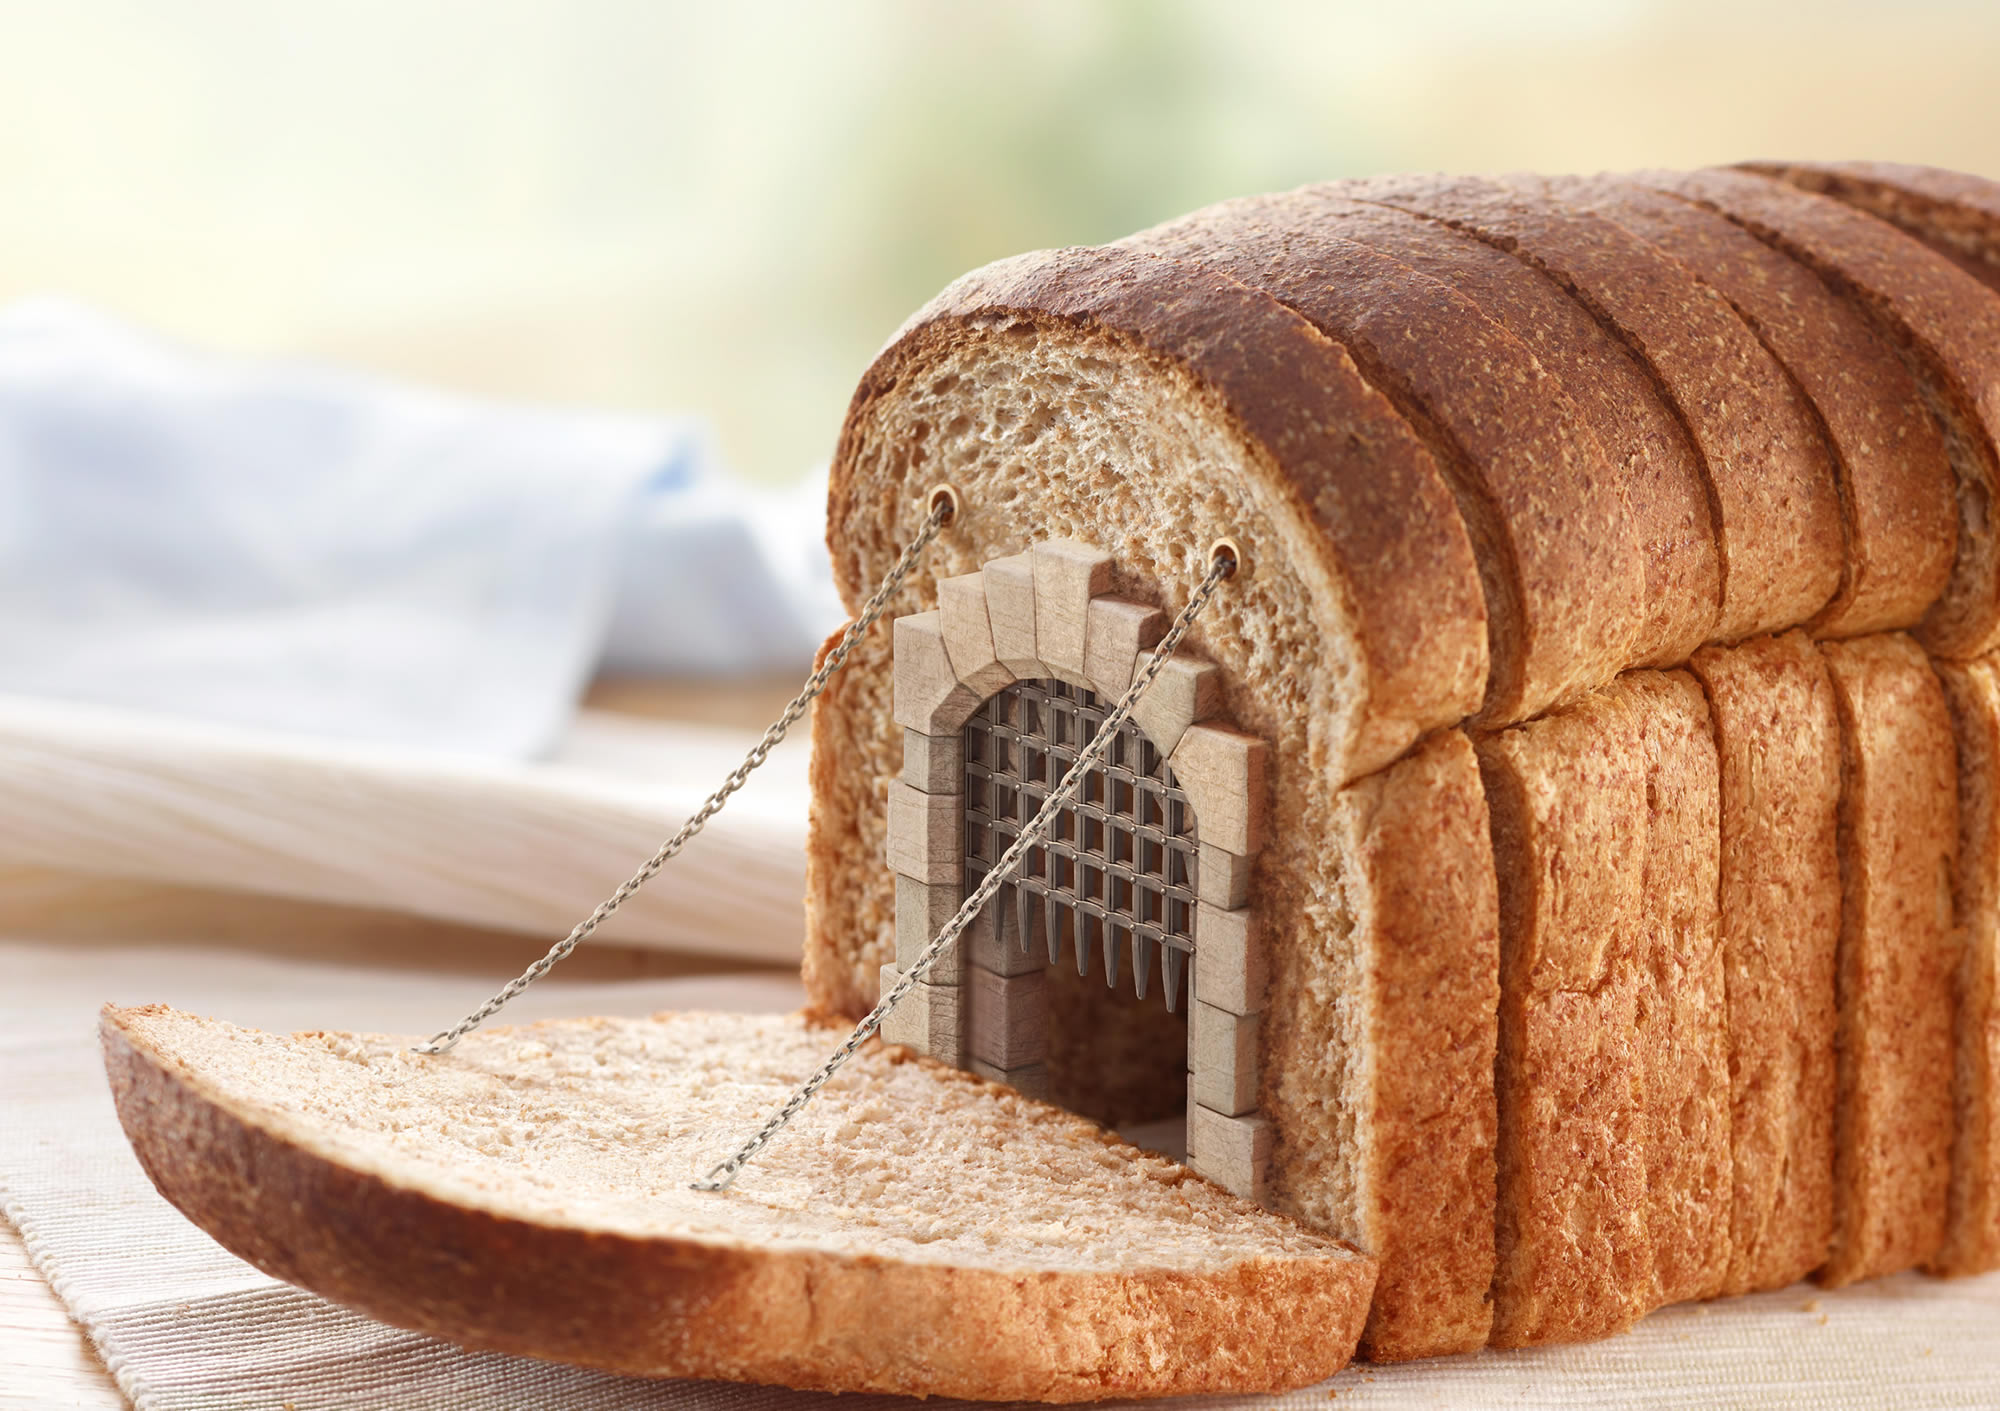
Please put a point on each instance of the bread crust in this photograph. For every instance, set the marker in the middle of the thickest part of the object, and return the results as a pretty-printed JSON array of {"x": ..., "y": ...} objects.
[
  {"x": 1391, "y": 531},
  {"x": 1944, "y": 324},
  {"x": 1772, "y": 497},
  {"x": 681, "y": 1308},
  {"x": 1559, "y": 557},
  {"x": 1682, "y": 1011},
  {"x": 1894, "y": 474},
  {"x": 1567, "y": 798},
  {"x": 1956, "y": 213},
  {"x": 1424, "y": 906},
  {"x": 1893, "y": 1122},
  {"x": 1660, "y": 491},
  {"x": 1972, "y": 1238},
  {"x": 1778, "y": 745}
]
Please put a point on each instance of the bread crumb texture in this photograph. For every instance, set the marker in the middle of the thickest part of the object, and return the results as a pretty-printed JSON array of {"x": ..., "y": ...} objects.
[{"x": 601, "y": 1124}]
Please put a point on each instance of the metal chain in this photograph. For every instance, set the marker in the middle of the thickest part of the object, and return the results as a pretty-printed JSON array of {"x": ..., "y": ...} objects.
[
  {"x": 1221, "y": 567},
  {"x": 941, "y": 512}
]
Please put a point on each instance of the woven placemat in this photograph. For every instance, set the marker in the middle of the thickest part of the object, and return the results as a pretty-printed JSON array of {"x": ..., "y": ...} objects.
[{"x": 185, "y": 1326}]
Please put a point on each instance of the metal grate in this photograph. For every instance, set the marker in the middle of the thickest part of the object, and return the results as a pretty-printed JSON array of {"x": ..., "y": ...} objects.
[{"x": 1115, "y": 877}]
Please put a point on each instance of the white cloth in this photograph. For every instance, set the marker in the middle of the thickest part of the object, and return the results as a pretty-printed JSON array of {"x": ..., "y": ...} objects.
[
  {"x": 305, "y": 549},
  {"x": 186, "y": 1327}
]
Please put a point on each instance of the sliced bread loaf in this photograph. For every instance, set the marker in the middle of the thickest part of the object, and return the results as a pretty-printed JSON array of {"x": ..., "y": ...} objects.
[
  {"x": 1683, "y": 1029},
  {"x": 1972, "y": 1238},
  {"x": 917, "y": 1230},
  {"x": 1946, "y": 327},
  {"x": 1956, "y": 213},
  {"x": 1567, "y": 797},
  {"x": 1559, "y": 558},
  {"x": 1895, "y": 478},
  {"x": 1661, "y": 491},
  {"x": 1778, "y": 744},
  {"x": 1893, "y": 1119},
  {"x": 1404, "y": 1158},
  {"x": 1772, "y": 495}
]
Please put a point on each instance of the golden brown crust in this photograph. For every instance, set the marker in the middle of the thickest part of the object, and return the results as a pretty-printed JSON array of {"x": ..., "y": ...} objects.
[
  {"x": 1773, "y": 500},
  {"x": 1778, "y": 743},
  {"x": 1558, "y": 556},
  {"x": 1682, "y": 1011},
  {"x": 1424, "y": 905},
  {"x": 1944, "y": 324},
  {"x": 1394, "y": 540},
  {"x": 1893, "y": 1123},
  {"x": 1972, "y": 1239},
  {"x": 1661, "y": 491},
  {"x": 679, "y": 1308},
  {"x": 1895, "y": 477},
  {"x": 1567, "y": 797}
]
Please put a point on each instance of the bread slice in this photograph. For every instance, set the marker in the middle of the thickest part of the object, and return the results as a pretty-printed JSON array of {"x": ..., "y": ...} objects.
[
  {"x": 1683, "y": 1028},
  {"x": 1403, "y": 1158},
  {"x": 917, "y": 1230},
  {"x": 1946, "y": 327},
  {"x": 1148, "y": 407},
  {"x": 1773, "y": 500},
  {"x": 1893, "y": 1120},
  {"x": 1895, "y": 478},
  {"x": 1567, "y": 796},
  {"x": 1956, "y": 213},
  {"x": 1778, "y": 745},
  {"x": 1972, "y": 1238},
  {"x": 1659, "y": 481},
  {"x": 1558, "y": 556}
]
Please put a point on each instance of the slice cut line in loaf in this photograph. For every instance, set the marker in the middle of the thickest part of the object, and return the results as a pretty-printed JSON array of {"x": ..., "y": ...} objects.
[
  {"x": 1972, "y": 1239},
  {"x": 917, "y": 1230},
  {"x": 1773, "y": 502},
  {"x": 1895, "y": 476},
  {"x": 1567, "y": 796},
  {"x": 1894, "y": 1118},
  {"x": 1661, "y": 491},
  {"x": 1946, "y": 327},
  {"x": 1559, "y": 558},
  {"x": 1403, "y": 1156},
  {"x": 1682, "y": 1015},
  {"x": 1957, "y": 214},
  {"x": 1778, "y": 746}
]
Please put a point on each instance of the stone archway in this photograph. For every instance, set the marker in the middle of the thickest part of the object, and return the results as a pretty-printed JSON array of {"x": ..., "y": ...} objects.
[{"x": 1047, "y": 616}]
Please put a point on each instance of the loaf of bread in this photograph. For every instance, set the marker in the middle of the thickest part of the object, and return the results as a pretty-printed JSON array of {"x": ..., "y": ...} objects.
[
  {"x": 1567, "y": 844},
  {"x": 1779, "y": 903},
  {"x": 1776, "y": 391}
]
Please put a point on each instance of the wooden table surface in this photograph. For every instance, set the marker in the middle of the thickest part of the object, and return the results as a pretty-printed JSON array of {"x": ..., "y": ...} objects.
[{"x": 45, "y": 1359}]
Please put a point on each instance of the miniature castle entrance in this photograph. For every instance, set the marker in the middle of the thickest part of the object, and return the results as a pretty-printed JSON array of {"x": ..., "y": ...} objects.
[{"x": 1142, "y": 884}]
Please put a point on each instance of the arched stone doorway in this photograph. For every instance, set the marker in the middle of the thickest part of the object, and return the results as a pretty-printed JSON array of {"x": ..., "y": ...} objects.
[{"x": 998, "y": 690}]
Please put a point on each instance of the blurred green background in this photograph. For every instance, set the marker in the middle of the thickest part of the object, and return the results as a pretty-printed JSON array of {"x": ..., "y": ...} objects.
[{"x": 726, "y": 208}]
